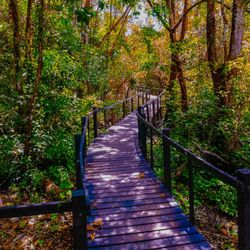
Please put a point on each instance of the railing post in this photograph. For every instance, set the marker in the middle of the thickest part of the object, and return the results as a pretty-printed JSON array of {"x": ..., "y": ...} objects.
[
  {"x": 132, "y": 104},
  {"x": 160, "y": 108},
  {"x": 148, "y": 113},
  {"x": 243, "y": 209},
  {"x": 77, "y": 160},
  {"x": 79, "y": 210},
  {"x": 105, "y": 118},
  {"x": 151, "y": 148},
  {"x": 191, "y": 191},
  {"x": 143, "y": 99},
  {"x": 144, "y": 137},
  {"x": 153, "y": 111},
  {"x": 157, "y": 108},
  {"x": 95, "y": 122},
  {"x": 148, "y": 92},
  {"x": 167, "y": 160},
  {"x": 139, "y": 110},
  {"x": 123, "y": 110},
  {"x": 84, "y": 120},
  {"x": 142, "y": 132}
]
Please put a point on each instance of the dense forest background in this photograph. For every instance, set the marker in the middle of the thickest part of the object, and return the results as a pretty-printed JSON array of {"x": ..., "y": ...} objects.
[{"x": 59, "y": 58}]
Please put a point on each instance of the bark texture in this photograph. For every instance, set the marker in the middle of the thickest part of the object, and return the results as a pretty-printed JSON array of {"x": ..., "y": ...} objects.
[
  {"x": 33, "y": 100},
  {"x": 13, "y": 8}
]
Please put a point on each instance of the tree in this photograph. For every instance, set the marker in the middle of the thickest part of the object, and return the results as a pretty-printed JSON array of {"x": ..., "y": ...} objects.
[
  {"x": 222, "y": 76},
  {"x": 172, "y": 24}
]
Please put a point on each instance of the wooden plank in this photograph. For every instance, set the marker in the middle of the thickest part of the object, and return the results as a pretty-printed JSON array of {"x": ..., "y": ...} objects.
[
  {"x": 100, "y": 212},
  {"x": 112, "y": 159},
  {"x": 139, "y": 214},
  {"x": 122, "y": 189},
  {"x": 122, "y": 182},
  {"x": 142, "y": 228},
  {"x": 114, "y": 175},
  {"x": 130, "y": 203},
  {"x": 130, "y": 193},
  {"x": 142, "y": 221},
  {"x": 129, "y": 198},
  {"x": 164, "y": 243},
  {"x": 115, "y": 170},
  {"x": 110, "y": 165},
  {"x": 170, "y": 237}
]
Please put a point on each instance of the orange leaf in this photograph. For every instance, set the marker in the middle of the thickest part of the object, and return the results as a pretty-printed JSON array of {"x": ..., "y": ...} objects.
[
  {"x": 15, "y": 226},
  {"x": 98, "y": 222},
  {"x": 224, "y": 231},
  {"x": 92, "y": 236},
  {"x": 162, "y": 195},
  {"x": 90, "y": 227},
  {"x": 141, "y": 175}
]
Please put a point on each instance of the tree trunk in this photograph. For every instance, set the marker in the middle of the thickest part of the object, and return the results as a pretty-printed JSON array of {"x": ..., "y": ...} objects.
[
  {"x": 237, "y": 32},
  {"x": 217, "y": 69},
  {"x": 176, "y": 68},
  {"x": 184, "y": 26},
  {"x": 16, "y": 42},
  {"x": 33, "y": 100},
  {"x": 177, "y": 75},
  {"x": 28, "y": 36},
  {"x": 237, "y": 29}
]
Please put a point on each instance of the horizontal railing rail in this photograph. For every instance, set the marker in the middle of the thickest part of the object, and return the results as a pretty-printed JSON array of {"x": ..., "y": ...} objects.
[
  {"x": 36, "y": 209},
  {"x": 241, "y": 180}
]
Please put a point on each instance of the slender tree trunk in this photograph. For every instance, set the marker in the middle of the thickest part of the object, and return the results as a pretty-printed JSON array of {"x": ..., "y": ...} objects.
[
  {"x": 28, "y": 30},
  {"x": 177, "y": 75},
  {"x": 236, "y": 40},
  {"x": 237, "y": 29},
  {"x": 33, "y": 100},
  {"x": 16, "y": 42},
  {"x": 217, "y": 69},
  {"x": 184, "y": 26},
  {"x": 224, "y": 32},
  {"x": 176, "y": 68}
]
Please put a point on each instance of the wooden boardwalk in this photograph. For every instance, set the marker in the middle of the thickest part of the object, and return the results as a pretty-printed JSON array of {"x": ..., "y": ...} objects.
[{"x": 136, "y": 210}]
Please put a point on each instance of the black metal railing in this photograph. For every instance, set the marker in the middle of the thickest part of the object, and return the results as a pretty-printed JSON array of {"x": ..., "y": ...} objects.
[{"x": 241, "y": 181}]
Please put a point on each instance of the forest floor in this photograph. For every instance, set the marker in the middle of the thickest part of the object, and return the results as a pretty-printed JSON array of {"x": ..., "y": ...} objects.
[
  {"x": 219, "y": 229},
  {"x": 53, "y": 231}
]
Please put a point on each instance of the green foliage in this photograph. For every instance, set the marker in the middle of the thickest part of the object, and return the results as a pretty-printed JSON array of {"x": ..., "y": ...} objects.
[{"x": 85, "y": 14}]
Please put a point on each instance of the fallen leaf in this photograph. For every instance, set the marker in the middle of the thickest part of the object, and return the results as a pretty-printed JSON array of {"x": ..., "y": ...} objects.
[
  {"x": 15, "y": 226},
  {"x": 141, "y": 175},
  {"x": 98, "y": 222},
  {"x": 92, "y": 236},
  {"x": 224, "y": 231},
  {"x": 50, "y": 243},
  {"x": 90, "y": 227},
  {"x": 93, "y": 205},
  {"x": 162, "y": 195}
]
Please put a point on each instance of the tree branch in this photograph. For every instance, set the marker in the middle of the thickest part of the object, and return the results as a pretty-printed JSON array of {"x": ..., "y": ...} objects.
[
  {"x": 160, "y": 18},
  {"x": 114, "y": 26},
  {"x": 185, "y": 13}
]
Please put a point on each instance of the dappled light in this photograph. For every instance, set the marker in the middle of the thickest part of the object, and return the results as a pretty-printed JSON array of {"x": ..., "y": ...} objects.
[
  {"x": 126, "y": 195},
  {"x": 125, "y": 124}
]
